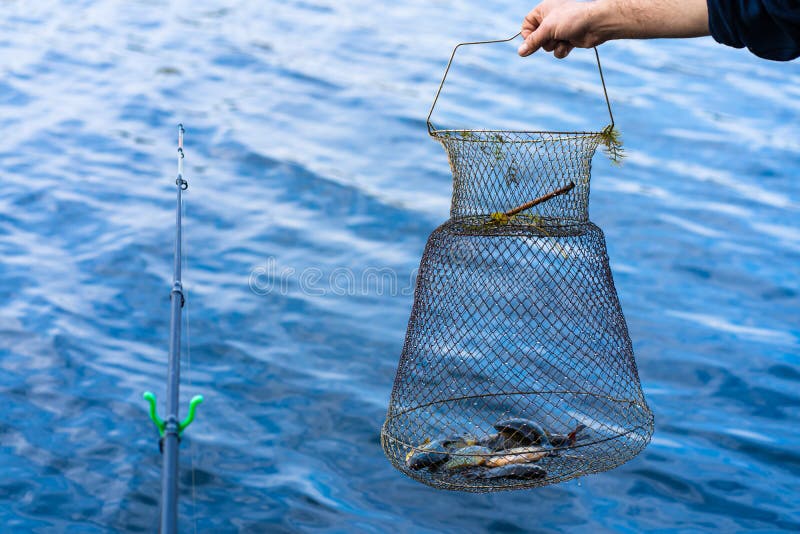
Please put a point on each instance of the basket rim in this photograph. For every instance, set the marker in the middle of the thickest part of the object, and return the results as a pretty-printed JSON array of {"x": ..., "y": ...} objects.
[
  {"x": 476, "y": 487},
  {"x": 438, "y": 133}
]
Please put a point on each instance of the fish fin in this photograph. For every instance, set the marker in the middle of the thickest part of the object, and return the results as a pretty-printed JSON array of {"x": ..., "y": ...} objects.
[{"x": 573, "y": 436}]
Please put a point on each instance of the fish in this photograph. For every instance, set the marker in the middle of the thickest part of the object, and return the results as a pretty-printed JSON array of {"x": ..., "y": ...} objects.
[
  {"x": 496, "y": 442},
  {"x": 514, "y": 471},
  {"x": 523, "y": 432},
  {"x": 520, "y": 455},
  {"x": 459, "y": 441},
  {"x": 431, "y": 455},
  {"x": 560, "y": 440},
  {"x": 471, "y": 456}
]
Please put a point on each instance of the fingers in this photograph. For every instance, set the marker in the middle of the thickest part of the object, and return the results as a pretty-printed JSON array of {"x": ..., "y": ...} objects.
[
  {"x": 542, "y": 37},
  {"x": 535, "y": 40},
  {"x": 541, "y": 24},
  {"x": 531, "y": 22},
  {"x": 562, "y": 49}
]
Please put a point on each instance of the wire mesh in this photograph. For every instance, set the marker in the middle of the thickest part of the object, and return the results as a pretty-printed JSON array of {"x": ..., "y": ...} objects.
[
  {"x": 518, "y": 322},
  {"x": 495, "y": 171},
  {"x": 517, "y": 369}
]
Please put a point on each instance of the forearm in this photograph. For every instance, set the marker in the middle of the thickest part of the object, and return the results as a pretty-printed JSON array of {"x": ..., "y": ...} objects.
[{"x": 644, "y": 19}]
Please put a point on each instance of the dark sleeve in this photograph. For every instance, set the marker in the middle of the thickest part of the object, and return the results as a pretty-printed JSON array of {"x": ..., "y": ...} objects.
[{"x": 768, "y": 28}]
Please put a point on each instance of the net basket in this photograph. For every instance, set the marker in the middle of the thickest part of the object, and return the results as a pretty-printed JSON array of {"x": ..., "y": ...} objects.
[{"x": 517, "y": 369}]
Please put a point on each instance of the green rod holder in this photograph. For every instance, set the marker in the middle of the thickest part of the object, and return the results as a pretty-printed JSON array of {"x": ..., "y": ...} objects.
[{"x": 196, "y": 401}]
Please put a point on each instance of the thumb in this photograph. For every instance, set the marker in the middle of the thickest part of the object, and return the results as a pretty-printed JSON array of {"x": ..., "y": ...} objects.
[{"x": 535, "y": 40}]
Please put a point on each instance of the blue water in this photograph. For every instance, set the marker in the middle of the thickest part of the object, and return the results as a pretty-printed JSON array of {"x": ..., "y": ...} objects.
[{"x": 307, "y": 153}]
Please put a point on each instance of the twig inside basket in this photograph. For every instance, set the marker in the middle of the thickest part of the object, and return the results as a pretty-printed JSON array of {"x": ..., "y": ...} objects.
[{"x": 528, "y": 205}]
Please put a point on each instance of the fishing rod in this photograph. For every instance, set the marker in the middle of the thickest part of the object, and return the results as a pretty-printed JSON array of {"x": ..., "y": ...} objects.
[{"x": 171, "y": 429}]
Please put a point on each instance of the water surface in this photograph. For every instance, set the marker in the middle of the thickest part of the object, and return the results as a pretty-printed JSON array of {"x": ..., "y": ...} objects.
[{"x": 307, "y": 149}]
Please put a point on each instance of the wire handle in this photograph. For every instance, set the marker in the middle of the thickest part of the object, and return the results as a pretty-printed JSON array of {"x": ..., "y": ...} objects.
[{"x": 431, "y": 129}]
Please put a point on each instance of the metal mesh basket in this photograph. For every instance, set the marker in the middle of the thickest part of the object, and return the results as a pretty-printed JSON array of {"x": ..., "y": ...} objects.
[{"x": 517, "y": 369}]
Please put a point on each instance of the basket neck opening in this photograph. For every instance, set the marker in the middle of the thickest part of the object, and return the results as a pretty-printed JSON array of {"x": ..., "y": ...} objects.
[{"x": 498, "y": 171}]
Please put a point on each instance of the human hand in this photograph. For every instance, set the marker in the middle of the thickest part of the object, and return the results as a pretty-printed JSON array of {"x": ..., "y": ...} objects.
[{"x": 559, "y": 26}]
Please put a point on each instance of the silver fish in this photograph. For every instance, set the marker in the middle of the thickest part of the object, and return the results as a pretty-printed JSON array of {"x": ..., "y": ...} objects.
[{"x": 520, "y": 455}]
